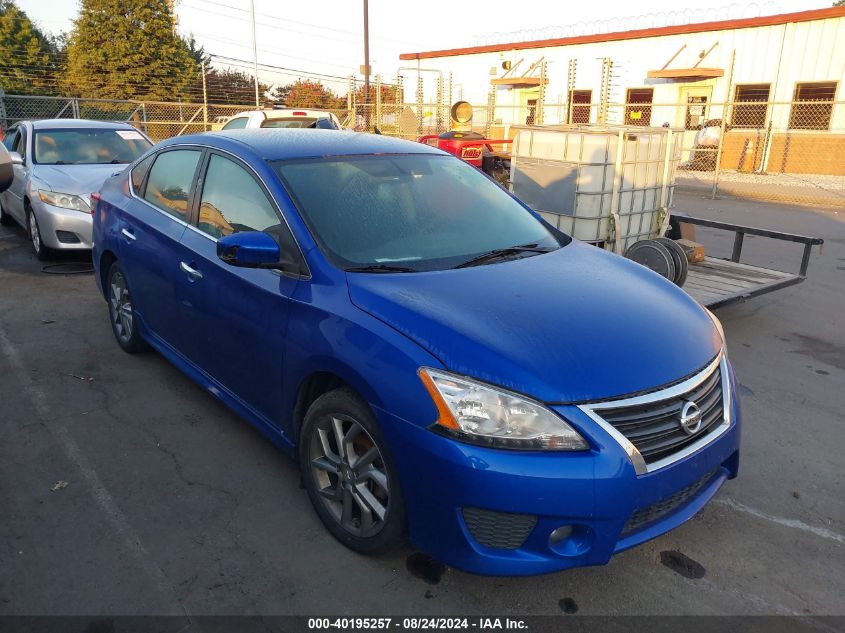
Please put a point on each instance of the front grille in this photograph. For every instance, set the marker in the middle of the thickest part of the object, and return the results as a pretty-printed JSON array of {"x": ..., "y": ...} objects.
[
  {"x": 499, "y": 530},
  {"x": 654, "y": 427},
  {"x": 666, "y": 506}
]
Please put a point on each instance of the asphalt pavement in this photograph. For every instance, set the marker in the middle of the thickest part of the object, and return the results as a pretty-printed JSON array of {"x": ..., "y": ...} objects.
[{"x": 126, "y": 489}]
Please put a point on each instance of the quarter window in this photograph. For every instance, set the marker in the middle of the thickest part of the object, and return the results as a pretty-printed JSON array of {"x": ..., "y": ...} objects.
[
  {"x": 233, "y": 201},
  {"x": 169, "y": 184},
  {"x": 139, "y": 171}
]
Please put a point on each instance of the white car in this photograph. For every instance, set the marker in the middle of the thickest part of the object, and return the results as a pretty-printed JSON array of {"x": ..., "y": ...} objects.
[{"x": 287, "y": 118}]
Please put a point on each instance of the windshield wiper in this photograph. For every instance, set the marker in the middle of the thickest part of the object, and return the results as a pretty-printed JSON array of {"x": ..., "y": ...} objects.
[
  {"x": 119, "y": 161},
  {"x": 501, "y": 253},
  {"x": 380, "y": 268}
]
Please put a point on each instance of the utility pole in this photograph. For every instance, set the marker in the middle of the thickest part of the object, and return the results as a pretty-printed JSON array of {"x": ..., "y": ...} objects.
[
  {"x": 367, "y": 63},
  {"x": 204, "y": 101},
  {"x": 255, "y": 52}
]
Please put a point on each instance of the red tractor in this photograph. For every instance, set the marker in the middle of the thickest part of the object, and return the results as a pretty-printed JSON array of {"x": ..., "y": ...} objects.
[{"x": 472, "y": 146}]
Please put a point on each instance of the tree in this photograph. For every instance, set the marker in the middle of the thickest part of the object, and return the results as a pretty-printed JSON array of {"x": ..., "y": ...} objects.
[
  {"x": 839, "y": 3},
  {"x": 232, "y": 87},
  {"x": 128, "y": 49},
  {"x": 29, "y": 59},
  {"x": 197, "y": 53},
  {"x": 306, "y": 93},
  {"x": 388, "y": 93}
]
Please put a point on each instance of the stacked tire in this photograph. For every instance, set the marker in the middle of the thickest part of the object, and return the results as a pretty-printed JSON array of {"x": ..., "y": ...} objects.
[{"x": 662, "y": 255}]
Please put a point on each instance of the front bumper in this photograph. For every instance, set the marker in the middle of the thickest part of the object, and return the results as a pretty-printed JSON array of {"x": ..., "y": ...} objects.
[
  {"x": 597, "y": 493},
  {"x": 63, "y": 229}
]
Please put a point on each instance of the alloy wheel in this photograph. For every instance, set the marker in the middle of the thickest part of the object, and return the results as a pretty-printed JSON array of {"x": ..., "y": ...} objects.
[
  {"x": 120, "y": 308},
  {"x": 351, "y": 475},
  {"x": 34, "y": 235}
]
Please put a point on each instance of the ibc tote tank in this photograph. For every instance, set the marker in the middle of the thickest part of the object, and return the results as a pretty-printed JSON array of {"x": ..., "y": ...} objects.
[{"x": 608, "y": 185}]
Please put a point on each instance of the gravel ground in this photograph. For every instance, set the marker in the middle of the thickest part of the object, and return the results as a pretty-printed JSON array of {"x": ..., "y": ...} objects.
[{"x": 820, "y": 181}]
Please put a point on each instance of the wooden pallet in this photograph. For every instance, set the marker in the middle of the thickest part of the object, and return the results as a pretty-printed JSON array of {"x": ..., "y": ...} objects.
[{"x": 716, "y": 282}]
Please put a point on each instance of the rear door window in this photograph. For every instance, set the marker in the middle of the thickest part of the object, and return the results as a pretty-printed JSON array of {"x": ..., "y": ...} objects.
[{"x": 170, "y": 181}]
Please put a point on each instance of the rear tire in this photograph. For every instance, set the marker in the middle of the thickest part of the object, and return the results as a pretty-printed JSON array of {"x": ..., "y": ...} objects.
[
  {"x": 349, "y": 474},
  {"x": 124, "y": 323}
]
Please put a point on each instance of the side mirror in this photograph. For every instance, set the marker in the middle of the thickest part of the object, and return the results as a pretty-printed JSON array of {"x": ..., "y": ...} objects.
[
  {"x": 17, "y": 159},
  {"x": 249, "y": 249},
  {"x": 6, "y": 172}
]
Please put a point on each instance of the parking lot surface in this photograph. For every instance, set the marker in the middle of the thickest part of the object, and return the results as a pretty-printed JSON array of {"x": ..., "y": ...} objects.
[{"x": 173, "y": 505}]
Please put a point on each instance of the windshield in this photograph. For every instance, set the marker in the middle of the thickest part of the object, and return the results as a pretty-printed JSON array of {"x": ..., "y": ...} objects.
[
  {"x": 88, "y": 147},
  {"x": 414, "y": 211}
]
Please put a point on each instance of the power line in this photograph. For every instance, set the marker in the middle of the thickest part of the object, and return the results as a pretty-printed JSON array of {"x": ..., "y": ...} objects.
[
  {"x": 271, "y": 26},
  {"x": 282, "y": 68},
  {"x": 321, "y": 27},
  {"x": 278, "y": 51}
]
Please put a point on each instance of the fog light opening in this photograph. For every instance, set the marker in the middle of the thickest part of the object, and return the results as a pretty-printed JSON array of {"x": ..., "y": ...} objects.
[{"x": 560, "y": 534}]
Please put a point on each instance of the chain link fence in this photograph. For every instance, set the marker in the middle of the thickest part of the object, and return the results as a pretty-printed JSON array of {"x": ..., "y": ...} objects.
[
  {"x": 754, "y": 148},
  {"x": 782, "y": 151},
  {"x": 159, "y": 120}
]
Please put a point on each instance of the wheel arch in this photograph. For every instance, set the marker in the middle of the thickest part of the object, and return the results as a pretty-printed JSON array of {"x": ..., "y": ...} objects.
[
  {"x": 321, "y": 379},
  {"x": 107, "y": 258}
]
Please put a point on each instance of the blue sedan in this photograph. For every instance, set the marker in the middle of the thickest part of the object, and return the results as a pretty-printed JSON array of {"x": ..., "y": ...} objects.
[{"x": 444, "y": 365}]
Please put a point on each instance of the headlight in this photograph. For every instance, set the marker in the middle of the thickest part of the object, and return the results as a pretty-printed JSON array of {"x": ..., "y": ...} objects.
[
  {"x": 720, "y": 330},
  {"x": 64, "y": 200},
  {"x": 479, "y": 413}
]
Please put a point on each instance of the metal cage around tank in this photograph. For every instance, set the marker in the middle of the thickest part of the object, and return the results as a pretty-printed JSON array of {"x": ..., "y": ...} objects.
[{"x": 608, "y": 185}]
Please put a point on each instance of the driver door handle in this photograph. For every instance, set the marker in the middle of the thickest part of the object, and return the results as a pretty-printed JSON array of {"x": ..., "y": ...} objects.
[
  {"x": 128, "y": 234},
  {"x": 192, "y": 272}
]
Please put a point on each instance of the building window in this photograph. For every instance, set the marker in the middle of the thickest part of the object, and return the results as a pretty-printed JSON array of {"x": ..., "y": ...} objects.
[
  {"x": 750, "y": 106},
  {"x": 579, "y": 106},
  {"x": 532, "y": 112},
  {"x": 812, "y": 106},
  {"x": 638, "y": 106}
]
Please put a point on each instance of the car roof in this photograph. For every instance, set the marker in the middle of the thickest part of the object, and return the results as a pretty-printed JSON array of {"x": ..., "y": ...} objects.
[
  {"x": 275, "y": 113},
  {"x": 65, "y": 124},
  {"x": 285, "y": 144}
]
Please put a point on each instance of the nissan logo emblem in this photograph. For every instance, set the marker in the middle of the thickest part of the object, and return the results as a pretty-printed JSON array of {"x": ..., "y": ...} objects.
[{"x": 690, "y": 418}]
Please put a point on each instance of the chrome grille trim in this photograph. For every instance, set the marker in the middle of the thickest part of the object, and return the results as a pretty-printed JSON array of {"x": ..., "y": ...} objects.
[{"x": 593, "y": 410}]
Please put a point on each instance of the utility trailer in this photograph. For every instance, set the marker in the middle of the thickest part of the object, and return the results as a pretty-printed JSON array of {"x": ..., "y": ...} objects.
[
  {"x": 717, "y": 282},
  {"x": 613, "y": 186}
]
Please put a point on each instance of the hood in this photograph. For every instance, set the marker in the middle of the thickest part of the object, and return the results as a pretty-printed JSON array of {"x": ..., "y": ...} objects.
[
  {"x": 79, "y": 180},
  {"x": 572, "y": 325}
]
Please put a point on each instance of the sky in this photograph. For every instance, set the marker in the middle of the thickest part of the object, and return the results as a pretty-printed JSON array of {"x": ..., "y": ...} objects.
[{"x": 327, "y": 37}]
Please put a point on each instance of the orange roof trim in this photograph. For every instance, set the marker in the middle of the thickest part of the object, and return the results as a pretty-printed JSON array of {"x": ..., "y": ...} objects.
[{"x": 678, "y": 29}]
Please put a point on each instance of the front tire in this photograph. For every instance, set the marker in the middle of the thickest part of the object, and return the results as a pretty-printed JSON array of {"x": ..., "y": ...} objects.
[
  {"x": 124, "y": 324},
  {"x": 349, "y": 474},
  {"x": 41, "y": 251}
]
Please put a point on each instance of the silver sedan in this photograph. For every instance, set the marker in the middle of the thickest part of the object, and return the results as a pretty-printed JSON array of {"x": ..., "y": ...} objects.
[{"x": 57, "y": 164}]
